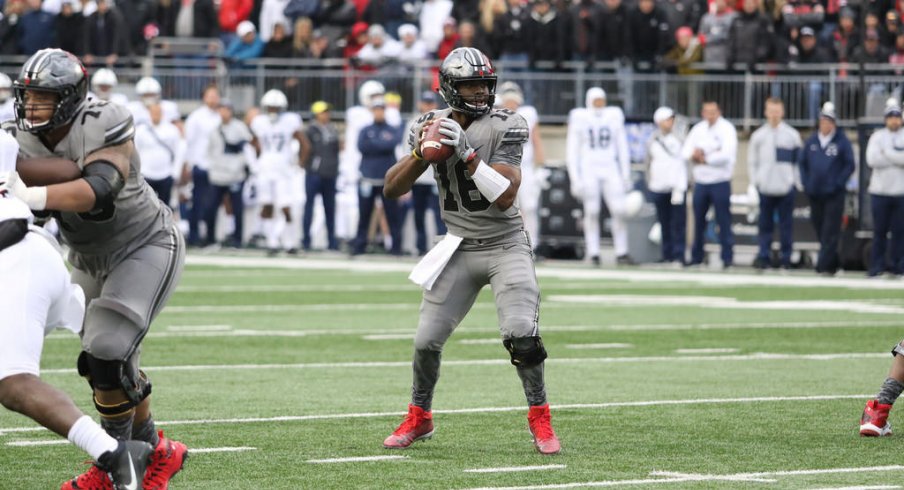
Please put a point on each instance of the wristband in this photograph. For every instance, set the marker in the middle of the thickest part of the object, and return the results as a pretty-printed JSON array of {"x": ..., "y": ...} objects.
[
  {"x": 35, "y": 197},
  {"x": 489, "y": 182}
]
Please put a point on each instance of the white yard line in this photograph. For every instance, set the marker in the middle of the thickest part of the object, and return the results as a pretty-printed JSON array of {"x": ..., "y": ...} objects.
[
  {"x": 872, "y": 487},
  {"x": 50, "y": 442},
  {"x": 614, "y": 345},
  {"x": 389, "y": 336},
  {"x": 220, "y": 449},
  {"x": 504, "y": 362},
  {"x": 296, "y": 288},
  {"x": 515, "y": 469},
  {"x": 667, "y": 477},
  {"x": 572, "y": 406},
  {"x": 251, "y": 332},
  {"x": 556, "y": 271},
  {"x": 480, "y": 341},
  {"x": 358, "y": 459},
  {"x": 721, "y": 302},
  {"x": 199, "y": 328},
  {"x": 714, "y": 350}
]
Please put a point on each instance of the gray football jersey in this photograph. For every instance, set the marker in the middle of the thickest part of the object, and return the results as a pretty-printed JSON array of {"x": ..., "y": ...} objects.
[
  {"x": 498, "y": 138},
  {"x": 136, "y": 214}
]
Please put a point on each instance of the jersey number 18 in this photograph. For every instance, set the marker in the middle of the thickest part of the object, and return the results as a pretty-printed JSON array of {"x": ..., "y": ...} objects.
[{"x": 466, "y": 188}]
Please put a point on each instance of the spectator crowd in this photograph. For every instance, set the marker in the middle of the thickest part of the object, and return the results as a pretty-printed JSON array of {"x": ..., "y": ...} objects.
[{"x": 647, "y": 34}]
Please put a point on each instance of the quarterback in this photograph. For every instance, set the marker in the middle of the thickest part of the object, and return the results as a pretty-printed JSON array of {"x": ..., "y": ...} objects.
[{"x": 486, "y": 243}]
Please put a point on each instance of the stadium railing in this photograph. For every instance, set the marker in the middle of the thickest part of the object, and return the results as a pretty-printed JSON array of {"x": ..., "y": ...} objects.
[{"x": 184, "y": 67}]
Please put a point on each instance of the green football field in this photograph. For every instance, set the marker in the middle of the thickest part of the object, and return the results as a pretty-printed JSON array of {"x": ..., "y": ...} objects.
[{"x": 288, "y": 374}]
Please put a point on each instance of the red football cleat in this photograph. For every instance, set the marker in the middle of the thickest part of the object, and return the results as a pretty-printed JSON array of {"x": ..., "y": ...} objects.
[
  {"x": 166, "y": 461},
  {"x": 874, "y": 422},
  {"x": 545, "y": 439},
  {"x": 93, "y": 479},
  {"x": 418, "y": 425}
]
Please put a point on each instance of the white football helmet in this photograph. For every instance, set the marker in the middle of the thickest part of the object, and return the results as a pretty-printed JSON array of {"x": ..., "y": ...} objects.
[
  {"x": 510, "y": 91},
  {"x": 593, "y": 93},
  {"x": 633, "y": 203},
  {"x": 148, "y": 90},
  {"x": 369, "y": 90},
  {"x": 148, "y": 86},
  {"x": 6, "y": 87},
  {"x": 104, "y": 77},
  {"x": 102, "y": 83},
  {"x": 273, "y": 103}
]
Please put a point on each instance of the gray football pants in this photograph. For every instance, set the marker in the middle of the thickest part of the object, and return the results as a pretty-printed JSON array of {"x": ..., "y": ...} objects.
[
  {"x": 123, "y": 301},
  {"x": 506, "y": 264}
]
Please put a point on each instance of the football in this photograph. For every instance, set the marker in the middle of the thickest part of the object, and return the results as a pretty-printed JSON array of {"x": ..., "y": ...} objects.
[
  {"x": 47, "y": 171},
  {"x": 431, "y": 149}
]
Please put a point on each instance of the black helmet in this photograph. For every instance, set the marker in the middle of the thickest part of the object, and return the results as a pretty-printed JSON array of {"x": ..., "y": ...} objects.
[
  {"x": 463, "y": 65},
  {"x": 57, "y": 71}
]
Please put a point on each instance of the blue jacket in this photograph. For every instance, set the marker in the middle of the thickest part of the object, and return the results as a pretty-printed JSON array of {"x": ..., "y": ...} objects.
[
  {"x": 377, "y": 144},
  {"x": 37, "y": 30},
  {"x": 238, "y": 52},
  {"x": 826, "y": 170}
]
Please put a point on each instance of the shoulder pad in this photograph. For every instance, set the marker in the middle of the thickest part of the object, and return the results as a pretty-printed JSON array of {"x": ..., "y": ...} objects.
[
  {"x": 111, "y": 120},
  {"x": 514, "y": 129}
]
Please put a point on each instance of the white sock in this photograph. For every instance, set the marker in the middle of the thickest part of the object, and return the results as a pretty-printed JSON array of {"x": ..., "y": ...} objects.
[{"x": 89, "y": 437}]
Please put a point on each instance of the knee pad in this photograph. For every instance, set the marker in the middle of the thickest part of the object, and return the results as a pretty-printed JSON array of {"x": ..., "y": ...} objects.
[
  {"x": 107, "y": 375},
  {"x": 525, "y": 351}
]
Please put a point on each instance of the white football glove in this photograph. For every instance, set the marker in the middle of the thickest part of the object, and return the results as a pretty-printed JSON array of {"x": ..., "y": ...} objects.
[
  {"x": 457, "y": 139},
  {"x": 12, "y": 185}
]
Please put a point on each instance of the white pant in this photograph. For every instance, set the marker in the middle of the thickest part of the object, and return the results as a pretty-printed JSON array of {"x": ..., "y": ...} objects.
[
  {"x": 35, "y": 297},
  {"x": 613, "y": 191}
]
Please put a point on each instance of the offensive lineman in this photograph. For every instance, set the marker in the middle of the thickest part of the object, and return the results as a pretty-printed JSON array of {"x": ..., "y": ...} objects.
[
  {"x": 274, "y": 130},
  {"x": 36, "y": 297},
  {"x": 599, "y": 161},
  {"x": 486, "y": 243},
  {"x": 125, "y": 249},
  {"x": 531, "y": 159}
]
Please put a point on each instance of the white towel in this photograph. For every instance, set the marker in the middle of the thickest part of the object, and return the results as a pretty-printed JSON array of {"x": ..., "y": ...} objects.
[{"x": 429, "y": 268}]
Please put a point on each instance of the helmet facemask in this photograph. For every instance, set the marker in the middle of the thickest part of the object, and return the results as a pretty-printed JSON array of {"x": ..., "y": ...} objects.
[{"x": 23, "y": 108}]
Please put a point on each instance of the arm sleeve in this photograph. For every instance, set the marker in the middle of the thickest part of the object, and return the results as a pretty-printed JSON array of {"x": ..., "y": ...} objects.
[
  {"x": 803, "y": 164},
  {"x": 752, "y": 151},
  {"x": 624, "y": 155},
  {"x": 728, "y": 153},
  {"x": 573, "y": 147},
  {"x": 874, "y": 157},
  {"x": 847, "y": 153}
]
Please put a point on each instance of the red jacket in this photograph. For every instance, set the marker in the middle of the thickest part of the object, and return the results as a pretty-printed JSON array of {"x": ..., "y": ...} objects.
[{"x": 232, "y": 12}]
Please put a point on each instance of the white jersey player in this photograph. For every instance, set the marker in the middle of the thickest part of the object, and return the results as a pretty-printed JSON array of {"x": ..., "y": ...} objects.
[
  {"x": 102, "y": 84},
  {"x": 599, "y": 163},
  {"x": 356, "y": 118},
  {"x": 149, "y": 93},
  {"x": 7, "y": 111},
  {"x": 275, "y": 129},
  {"x": 512, "y": 98}
]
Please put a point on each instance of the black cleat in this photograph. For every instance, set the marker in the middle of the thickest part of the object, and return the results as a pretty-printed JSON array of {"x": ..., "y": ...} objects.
[
  {"x": 127, "y": 464},
  {"x": 625, "y": 260}
]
